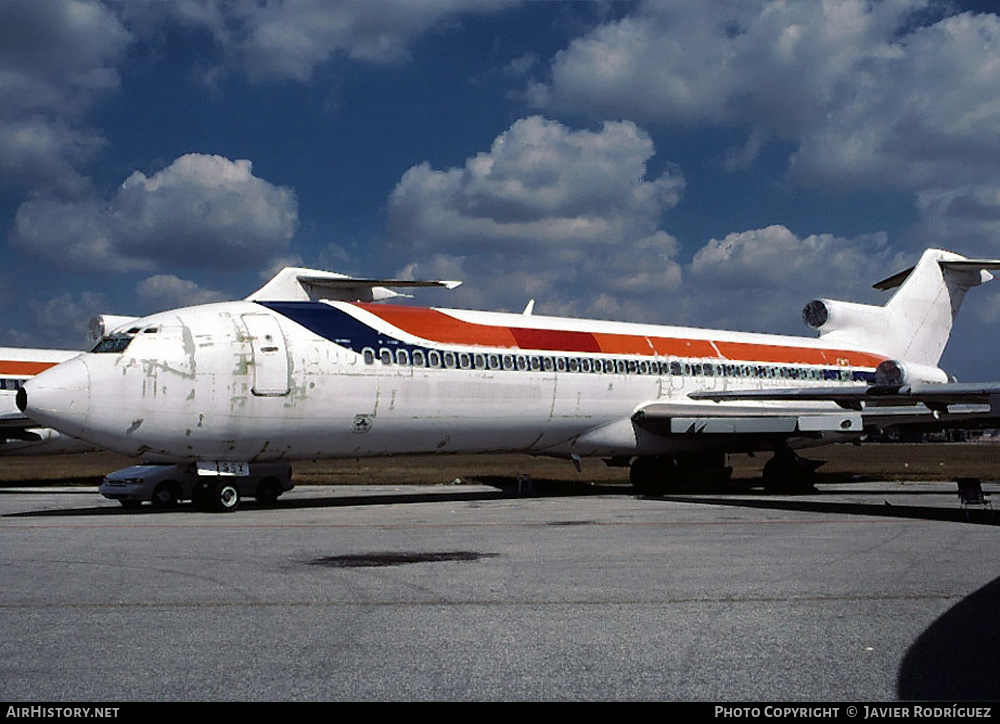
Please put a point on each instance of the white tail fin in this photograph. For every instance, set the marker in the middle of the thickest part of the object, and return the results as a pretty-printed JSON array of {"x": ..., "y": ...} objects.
[{"x": 914, "y": 325}]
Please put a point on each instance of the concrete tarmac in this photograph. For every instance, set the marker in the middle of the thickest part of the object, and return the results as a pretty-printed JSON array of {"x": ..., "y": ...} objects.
[{"x": 861, "y": 593}]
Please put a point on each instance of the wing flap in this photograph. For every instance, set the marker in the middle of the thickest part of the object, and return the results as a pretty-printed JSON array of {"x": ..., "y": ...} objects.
[
  {"x": 935, "y": 396},
  {"x": 662, "y": 418}
]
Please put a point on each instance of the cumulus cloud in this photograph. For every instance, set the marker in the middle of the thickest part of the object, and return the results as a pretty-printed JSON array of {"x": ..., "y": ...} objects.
[
  {"x": 771, "y": 62},
  {"x": 57, "y": 57},
  {"x": 201, "y": 211},
  {"x": 926, "y": 117},
  {"x": 547, "y": 207},
  {"x": 870, "y": 94},
  {"x": 288, "y": 40},
  {"x": 58, "y": 54},
  {"x": 167, "y": 291},
  {"x": 60, "y": 322},
  {"x": 541, "y": 183},
  {"x": 760, "y": 279},
  {"x": 963, "y": 217}
]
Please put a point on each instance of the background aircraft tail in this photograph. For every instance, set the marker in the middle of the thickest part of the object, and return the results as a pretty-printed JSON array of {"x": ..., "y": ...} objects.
[{"x": 914, "y": 325}]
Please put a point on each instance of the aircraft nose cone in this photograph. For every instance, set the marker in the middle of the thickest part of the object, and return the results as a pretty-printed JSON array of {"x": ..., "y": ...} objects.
[{"x": 58, "y": 397}]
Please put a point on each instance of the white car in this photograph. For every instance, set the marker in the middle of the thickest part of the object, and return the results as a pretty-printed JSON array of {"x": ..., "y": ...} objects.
[{"x": 165, "y": 485}]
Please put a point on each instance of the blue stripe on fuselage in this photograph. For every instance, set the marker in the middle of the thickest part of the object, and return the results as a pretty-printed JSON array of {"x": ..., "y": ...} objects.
[{"x": 332, "y": 324}]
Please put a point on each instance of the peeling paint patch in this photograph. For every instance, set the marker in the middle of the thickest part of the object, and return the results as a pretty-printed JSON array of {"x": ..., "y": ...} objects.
[{"x": 362, "y": 424}]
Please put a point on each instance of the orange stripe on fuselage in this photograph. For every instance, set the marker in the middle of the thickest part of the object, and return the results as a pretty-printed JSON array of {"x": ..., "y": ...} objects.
[
  {"x": 23, "y": 369},
  {"x": 436, "y": 326}
]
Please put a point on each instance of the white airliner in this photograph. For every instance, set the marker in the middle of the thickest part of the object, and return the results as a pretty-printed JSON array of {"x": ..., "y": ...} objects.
[{"x": 297, "y": 371}]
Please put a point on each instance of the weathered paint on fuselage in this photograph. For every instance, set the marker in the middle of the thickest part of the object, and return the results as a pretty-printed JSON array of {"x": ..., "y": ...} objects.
[{"x": 333, "y": 379}]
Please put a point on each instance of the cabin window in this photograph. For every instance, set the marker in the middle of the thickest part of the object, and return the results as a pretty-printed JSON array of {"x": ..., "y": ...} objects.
[
  {"x": 369, "y": 355},
  {"x": 464, "y": 360},
  {"x": 433, "y": 358},
  {"x": 548, "y": 364},
  {"x": 419, "y": 359},
  {"x": 402, "y": 357},
  {"x": 449, "y": 360},
  {"x": 479, "y": 360},
  {"x": 385, "y": 356}
]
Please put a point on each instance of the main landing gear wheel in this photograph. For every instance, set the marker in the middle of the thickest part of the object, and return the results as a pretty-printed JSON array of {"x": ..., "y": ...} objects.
[
  {"x": 662, "y": 474},
  {"x": 650, "y": 475},
  {"x": 787, "y": 472}
]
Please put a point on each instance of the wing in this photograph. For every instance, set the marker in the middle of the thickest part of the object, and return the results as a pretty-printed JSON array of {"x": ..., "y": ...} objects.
[
  {"x": 17, "y": 427},
  {"x": 859, "y": 397},
  {"x": 863, "y": 406}
]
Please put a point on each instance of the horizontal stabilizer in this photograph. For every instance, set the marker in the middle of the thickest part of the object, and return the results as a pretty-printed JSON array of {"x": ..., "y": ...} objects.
[
  {"x": 294, "y": 284},
  {"x": 968, "y": 265}
]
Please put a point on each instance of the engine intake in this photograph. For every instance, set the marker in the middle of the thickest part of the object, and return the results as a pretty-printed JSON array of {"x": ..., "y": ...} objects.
[
  {"x": 830, "y": 315},
  {"x": 893, "y": 373}
]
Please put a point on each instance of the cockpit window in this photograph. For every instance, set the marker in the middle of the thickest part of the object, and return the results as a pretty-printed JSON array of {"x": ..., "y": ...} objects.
[{"x": 113, "y": 343}]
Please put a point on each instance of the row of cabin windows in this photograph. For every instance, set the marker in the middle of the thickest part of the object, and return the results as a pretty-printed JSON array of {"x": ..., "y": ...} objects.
[
  {"x": 11, "y": 384},
  {"x": 446, "y": 359}
]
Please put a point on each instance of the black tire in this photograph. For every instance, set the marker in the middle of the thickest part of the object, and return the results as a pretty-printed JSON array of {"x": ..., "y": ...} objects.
[
  {"x": 651, "y": 475},
  {"x": 166, "y": 494},
  {"x": 225, "y": 497},
  {"x": 268, "y": 491},
  {"x": 789, "y": 473}
]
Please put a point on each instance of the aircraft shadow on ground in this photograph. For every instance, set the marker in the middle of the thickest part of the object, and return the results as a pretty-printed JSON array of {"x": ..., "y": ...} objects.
[
  {"x": 957, "y": 658},
  {"x": 882, "y": 509},
  {"x": 502, "y": 487}
]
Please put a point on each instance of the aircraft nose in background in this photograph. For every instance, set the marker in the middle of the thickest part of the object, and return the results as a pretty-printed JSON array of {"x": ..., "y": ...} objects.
[{"x": 58, "y": 397}]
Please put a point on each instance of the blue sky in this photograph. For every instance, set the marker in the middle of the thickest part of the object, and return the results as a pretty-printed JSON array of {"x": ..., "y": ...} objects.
[{"x": 717, "y": 163}]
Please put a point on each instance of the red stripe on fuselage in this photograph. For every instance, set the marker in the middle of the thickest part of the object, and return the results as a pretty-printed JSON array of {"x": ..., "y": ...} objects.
[
  {"x": 23, "y": 369},
  {"x": 436, "y": 326}
]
